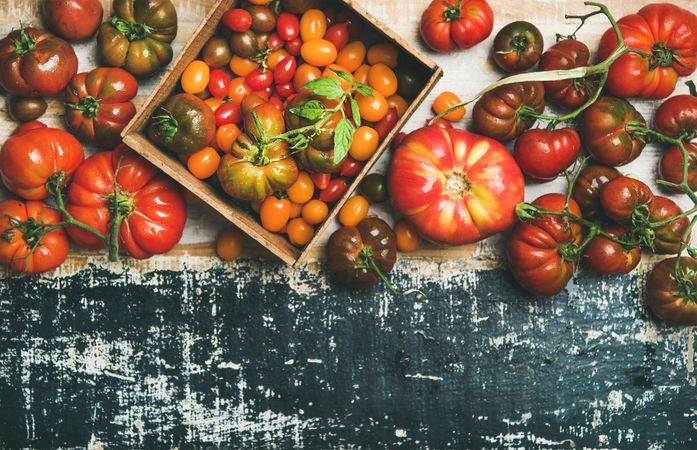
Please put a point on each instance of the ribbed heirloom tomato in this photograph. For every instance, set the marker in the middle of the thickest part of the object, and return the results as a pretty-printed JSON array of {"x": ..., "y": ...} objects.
[
  {"x": 448, "y": 25},
  {"x": 671, "y": 298},
  {"x": 565, "y": 55},
  {"x": 456, "y": 187}
]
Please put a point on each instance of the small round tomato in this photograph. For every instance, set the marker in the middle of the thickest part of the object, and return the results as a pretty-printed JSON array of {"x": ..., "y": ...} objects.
[
  {"x": 299, "y": 232},
  {"x": 385, "y": 53},
  {"x": 387, "y": 123},
  {"x": 330, "y": 72},
  {"x": 219, "y": 84},
  {"x": 382, "y": 79},
  {"x": 229, "y": 244},
  {"x": 671, "y": 296},
  {"x": 259, "y": 79},
  {"x": 365, "y": 143},
  {"x": 285, "y": 90},
  {"x": 244, "y": 45},
  {"x": 238, "y": 90},
  {"x": 626, "y": 200},
  {"x": 216, "y": 53},
  {"x": 250, "y": 102},
  {"x": 354, "y": 210},
  {"x": 589, "y": 184},
  {"x": 352, "y": 56},
  {"x": 204, "y": 163},
  {"x": 288, "y": 26},
  {"x": 543, "y": 155},
  {"x": 410, "y": 81},
  {"x": 195, "y": 77},
  {"x": 672, "y": 162},
  {"x": 313, "y": 25},
  {"x": 226, "y": 135},
  {"x": 350, "y": 168},
  {"x": 25, "y": 109},
  {"x": 444, "y": 102},
  {"x": 338, "y": 34},
  {"x": 374, "y": 108},
  {"x": 293, "y": 46},
  {"x": 374, "y": 188},
  {"x": 352, "y": 21},
  {"x": 295, "y": 210},
  {"x": 242, "y": 66},
  {"x": 315, "y": 212},
  {"x": 228, "y": 112},
  {"x": 318, "y": 52},
  {"x": 263, "y": 18},
  {"x": 275, "y": 59},
  {"x": 275, "y": 213},
  {"x": 678, "y": 115},
  {"x": 237, "y": 20},
  {"x": 361, "y": 74},
  {"x": 213, "y": 103},
  {"x": 304, "y": 75},
  {"x": 321, "y": 180},
  {"x": 399, "y": 104},
  {"x": 518, "y": 46},
  {"x": 285, "y": 70},
  {"x": 336, "y": 188},
  {"x": 302, "y": 190},
  {"x": 604, "y": 256},
  {"x": 408, "y": 238}
]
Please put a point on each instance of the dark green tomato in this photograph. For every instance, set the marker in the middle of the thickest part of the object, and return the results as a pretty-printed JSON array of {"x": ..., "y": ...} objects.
[
  {"x": 183, "y": 124},
  {"x": 216, "y": 53},
  {"x": 518, "y": 46},
  {"x": 244, "y": 44},
  {"x": 323, "y": 140},
  {"x": 25, "y": 109},
  {"x": 300, "y": 6},
  {"x": 263, "y": 18},
  {"x": 586, "y": 190},
  {"x": 410, "y": 81},
  {"x": 374, "y": 187},
  {"x": 319, "y": 161},
  {"x": 270, "y": 118},
  {"x": 604, "y": 131}
]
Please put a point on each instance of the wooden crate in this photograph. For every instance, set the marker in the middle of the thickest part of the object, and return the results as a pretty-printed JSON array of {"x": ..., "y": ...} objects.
[{"x": 135, "y": 134}]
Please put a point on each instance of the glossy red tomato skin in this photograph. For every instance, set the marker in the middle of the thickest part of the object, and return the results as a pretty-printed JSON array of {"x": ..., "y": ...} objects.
[
  {"x": 604, "y": 256},
  {"x": 654, "y": 26},
  {"x": 259, "y": 79},
  {"x": 288, "y": 26},
  {"x": 157, "y": 222},
  {"x": 285, "y": 70},
  {"x": 668, "y": 237},
  {"x": 676, "y": 116},
  {"x": 32, "y": 154},
  {"x": 535, "y": 248},
  {"x": 219, "y": 84},
  {"x": 621, "y": 197},
  {"x": 456, "y": 187},
  {"x": 350, "y": 168},
  {"x": 442, "y": 34},
  {"x": 338, "y": 34},
  {"x": 671, "y": 166},
  {"x": 335, "y": 189},
  {"x": 565, "y": 55},
  {"x": 385, "y": 126},
  {"x": 99, "y": 105},
  {"x": 293, "y": 46},
  {"x": 73, "y": 20},
  {"x": 665, "y": 295},
  {"x": 237, "y": 20},
  {"x": 589, "y": 185},
  {"x": 51, "y": 251},
  {"x": 545, "y": 154},
  {"x": 44, "y": 71},
  {"x": 228, "y": 112},
  {"x": 321, "y": 180}
]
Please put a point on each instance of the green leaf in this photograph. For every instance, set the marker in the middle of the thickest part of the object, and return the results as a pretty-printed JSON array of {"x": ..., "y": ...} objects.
[
  {"x": 364, "y": 89},
  {"x": 343, "y": 75},
  {"x": 311, "y": 110},
  {"x": 355, "y": 112},
  {"x": 343, "y": 137},
  {"x": 329, "y": 88}
]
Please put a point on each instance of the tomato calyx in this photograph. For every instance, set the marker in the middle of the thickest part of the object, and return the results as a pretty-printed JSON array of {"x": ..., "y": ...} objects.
[
  {"x": 686, "y": 280},
  {"x": 663, "y": 56},
  {"x": 89, "y": 106},
  {"x": 165, "y": 124},
  {"x": 366, "y": 261},
  {"x": 132, "y": 30},
  {"x": 25, "y": 44},
  {"x": 452, "y": 12},
  {"x": 569, "y": 251}
]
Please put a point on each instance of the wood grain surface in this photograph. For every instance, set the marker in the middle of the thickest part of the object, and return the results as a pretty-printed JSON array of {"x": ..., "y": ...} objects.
[{"x": 184, "y": 351}]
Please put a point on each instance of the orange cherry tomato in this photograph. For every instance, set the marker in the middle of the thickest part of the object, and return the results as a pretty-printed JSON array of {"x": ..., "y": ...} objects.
[
  {"x": 299, "y": 232},
  {"x": 213, "y": 103},
  {"x": 315, "y": 212},
  {"x": 365, "y": 142},
  {"x": 313, "y": 25},
  {"x": 204, "y": 163},
  {"x": 352, "y": 56},
  {"x": 275, "y": 213},
  {"x": 226, "y": 135},
  {"x": 242, "y": 66},
  {"x": 304, "y": 75},
  {"x": 374, "y": 108},
  {"x": 229, "y": 244},
  {"x": 361, "y": 74},
  {"x": 196, "y": 77},
  {"x": 238, "y": 90},
  {"x": 295, "y": 210},
  {"x": 275, "y": 58},
  {"x": 399, "y": 104},
  {"x": 382, "y": 79},
  {"x": 354, "y": 210},
  {"x": 318, "y": 52},
  {"x": 302, "y": 190},
  {"x": 408, "y": 239},
  {"x": 384, "y": 53},
  {"x": 445, "y": 101},
  {"x": 329, "y": 73}
]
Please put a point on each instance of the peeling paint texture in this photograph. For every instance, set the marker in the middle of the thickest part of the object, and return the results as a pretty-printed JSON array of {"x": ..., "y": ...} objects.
[{"x": 245, "y": 358}]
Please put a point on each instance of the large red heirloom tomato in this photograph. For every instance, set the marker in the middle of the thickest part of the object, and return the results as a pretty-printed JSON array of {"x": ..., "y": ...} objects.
[
  {"x": 456, "y": 187},
  {"x": 152, "y": 206},
  {"x": 666, "y": 32},
  {"x": 448, "y": 25}
]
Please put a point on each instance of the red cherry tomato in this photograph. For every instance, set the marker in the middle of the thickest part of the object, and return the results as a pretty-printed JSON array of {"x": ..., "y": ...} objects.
[
  {"x": 338, "y": 35},
  {"x": 285, "y": 70},
  {"x": 274, "y": 42},
  {"x": 353, "y": 23},
  {"x": 351, "y": 168},
  {"x": 228, "y": 112},
  {"x": 387, "y": 123},
  {"x": 237, "y": 20},
  {"x": 285, "y": 90},
  {"x": 288, "y": 26},
  {"x": 321, "y": 180},
  {"x": 334, "y": 190},
  {"x": 276, "y": 102},
  {"x": 219, "y": 83},
  {"x": 259, "y": 79},
  {"x": 293, "y": 46}
]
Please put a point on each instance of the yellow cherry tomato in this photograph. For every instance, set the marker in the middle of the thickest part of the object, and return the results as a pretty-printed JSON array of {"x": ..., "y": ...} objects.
[
  {"x": 299, "y": 232},
  {"x": 302, "y": 190},
  {"x": 329, "y": 73},
  {"x": 196, "y": 77},
  {"x": 315, "y": 212},
  {"x": 352, "y": 56},
  {"x": 374, "y": 108},
  {"x": 382, "y": 79},
  {"x": 318, "y": 52},
  {"x": 397, "y": 102},
  {"x": 313, "y": 25},
  {"x": 365, "y": 143},
  {"x": 242, "y": 66},
  {"x": 361, "y": 74},
  {"x": 226, "y": 135},
  {"x": 444, "y": 102},
  {"x": 296, "y": 210},
  {"x": 275, "y": 213},
  {"x": 213, "y": 103},
  {"x": 384, "y": 53},
  {"x": 204, "y": 163},
  {"x": 354, "y": 210},
  {"x": 408, "y": 239},
  {"x": 229, "y": 244}
]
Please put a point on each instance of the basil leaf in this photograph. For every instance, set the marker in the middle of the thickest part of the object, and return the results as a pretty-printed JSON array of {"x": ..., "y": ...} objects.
[
  {"x": 329, "y": 88},
  {"x": 312, "y": 110},
  {"x": 364, "y": 90},
  {"x": 343, "y": 75},
  {"x": 343, "y": 137},
  {"x": 355, "y": 112}
]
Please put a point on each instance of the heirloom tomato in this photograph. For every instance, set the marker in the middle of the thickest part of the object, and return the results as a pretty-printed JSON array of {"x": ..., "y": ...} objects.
[
  {"x": 499, "y": 114},
  {"x": 35, "y": 63},
  {"x": 677, "y": 116},
  {"x": 99, "y": 105},
  {"x": 626, "y": 201},
  {"x": 518, "y": 46},
  {"x": 544, "y": 154},
  {"x": 566, "y": 55},
  {"x": 673, "y": 298},
  {"x": 183, "y": 124},
  {"x": 26, "y": 109},
  {"x": 448, "y": 25},
  {"x": 605, "y": 134},
  {"x": 542, "y": 252},
  {"x": 671, "y": 166},
  {"x": 589, "y": 184},
  {"x": 605, "y": 256},
  {"x": 138, "y": 37},
  {"x": 73, "y": 20},
  {"x": 456, "y": 187},
  {"x": 25, "y": 246},
  {"x": 374, "y": 188},
  {"x": 216, "y": 53},
  {"x": 666, "y": 239},
  {"x": 122, "y": 186},
  {"x": 33, "y": 154},
  {"x": 668, "y": 34}
]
